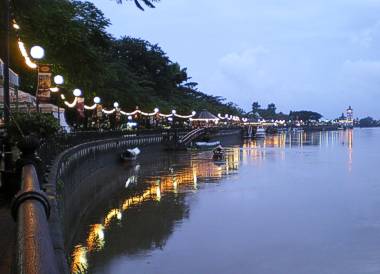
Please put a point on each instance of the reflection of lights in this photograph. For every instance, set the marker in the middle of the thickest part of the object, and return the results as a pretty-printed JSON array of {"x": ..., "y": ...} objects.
[
  {"x": 79, "y": 259},
  {"x": 113, "y": 213},
  {"x": 173, "y": 181},
  {"x": 95, "y": 240},
  {"x": 195, "y": 179},
  {"x": 158, "y": 193},
  {"x": 128, "y": 182}
]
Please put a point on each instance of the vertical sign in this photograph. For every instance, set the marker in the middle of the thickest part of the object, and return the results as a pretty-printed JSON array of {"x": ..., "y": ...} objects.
[
  {"x": 44, "y": 83},
  {"x": 99, "y": 111}
]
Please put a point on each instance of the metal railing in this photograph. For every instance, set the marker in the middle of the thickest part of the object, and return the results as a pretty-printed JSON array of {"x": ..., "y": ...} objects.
[{"x": 31, "y": 210}]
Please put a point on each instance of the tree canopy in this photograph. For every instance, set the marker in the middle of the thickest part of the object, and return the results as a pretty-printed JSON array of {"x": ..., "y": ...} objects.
[
  {"x": 138, "y": 3},
  {"x": 131, "y": 71},
  {"x": 270, "y": 113}
]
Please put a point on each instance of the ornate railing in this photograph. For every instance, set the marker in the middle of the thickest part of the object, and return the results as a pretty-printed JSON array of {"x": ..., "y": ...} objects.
[{"x": 31, "y": 210}]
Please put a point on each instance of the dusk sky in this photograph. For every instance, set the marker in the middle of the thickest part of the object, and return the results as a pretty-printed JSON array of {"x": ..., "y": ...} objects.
[{"x": 320, "y": 55}]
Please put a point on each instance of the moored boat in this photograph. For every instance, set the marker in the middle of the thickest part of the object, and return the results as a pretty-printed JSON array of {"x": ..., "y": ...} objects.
[
  {"x": 260, "y": 133},
  {"x": 130, "y": 154},
  {"x": 206, "y": 145},
  {"x": 218, "y": 153}
]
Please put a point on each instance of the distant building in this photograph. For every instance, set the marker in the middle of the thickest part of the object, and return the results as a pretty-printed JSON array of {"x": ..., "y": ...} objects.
[{"x": 350, "y": 115}]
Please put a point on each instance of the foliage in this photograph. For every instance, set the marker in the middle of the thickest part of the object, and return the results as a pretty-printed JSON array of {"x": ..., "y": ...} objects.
[
  {"x": 304, "y": 115},
  {"x": 270, "y": 113},
  {"x": 41, "y": 124},
  {"x": 368, "y": 122},
  {"x": 255, "y": 107},
  {"x": 131, "y": 71},
  {"x": 148, "y": 3}
]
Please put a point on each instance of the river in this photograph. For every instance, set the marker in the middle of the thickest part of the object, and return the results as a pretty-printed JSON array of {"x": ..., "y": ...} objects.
[{"x": 299, "y": 203}]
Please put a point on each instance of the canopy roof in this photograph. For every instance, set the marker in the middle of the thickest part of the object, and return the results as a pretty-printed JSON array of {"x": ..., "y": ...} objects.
[{"x": 204, "y": 115}]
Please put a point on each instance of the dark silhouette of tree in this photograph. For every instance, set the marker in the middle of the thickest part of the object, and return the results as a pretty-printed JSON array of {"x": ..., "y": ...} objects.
[
  {"x": 305, "y": 115},
  {"x": 138, "y": 3},
  {"x": 255, "y": 107},
  {"x": 271, "y": 109}
]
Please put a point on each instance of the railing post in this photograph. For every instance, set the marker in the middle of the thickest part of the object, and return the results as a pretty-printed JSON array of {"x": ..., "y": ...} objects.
[{"x": 31, "y": 210}]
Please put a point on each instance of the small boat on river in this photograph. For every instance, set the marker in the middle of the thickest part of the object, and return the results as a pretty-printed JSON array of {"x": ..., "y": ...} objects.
[
  {"x": 218, "y": 153},
  {"x": 130, "y": 154},
  {"x": 206, "y": 145}
]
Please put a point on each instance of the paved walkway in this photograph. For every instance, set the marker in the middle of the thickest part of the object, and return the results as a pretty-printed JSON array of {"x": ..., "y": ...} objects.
[{"x": 7, "y": 236}]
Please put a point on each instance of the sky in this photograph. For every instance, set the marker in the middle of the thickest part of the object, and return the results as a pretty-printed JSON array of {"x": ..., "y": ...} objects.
[{"x": 320, "y": 55}]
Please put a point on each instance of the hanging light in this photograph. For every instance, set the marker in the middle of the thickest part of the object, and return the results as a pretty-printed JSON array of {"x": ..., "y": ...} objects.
[
  {"x": 54, "y": 89},
  {"x": 193, "y": 113},
  {"x": 96, "y": 100},
  {"x": 37, "y": 52},
  {"x": 15, "y": 26},
  {"x": 77, "y": 92},
  {"x": 116, "y": 105},
  {"x": 58, "y": 80},
  {"x": 156, "y": 110},
  {"x": 174, "y": 111}
]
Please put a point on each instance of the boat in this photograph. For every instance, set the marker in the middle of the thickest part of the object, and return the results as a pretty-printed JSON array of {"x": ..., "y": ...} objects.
[
  {"x": 218, "y": 153},
  {"x": 260, "y": 133},
  {"x": 130, "y": 154},
  {"x": 206, "y": 145}
]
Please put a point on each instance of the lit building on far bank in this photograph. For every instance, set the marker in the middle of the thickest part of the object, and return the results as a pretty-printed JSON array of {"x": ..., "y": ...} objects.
[
  {"x": 347, "y": 121},
  {"x": 350, "y": 117}
]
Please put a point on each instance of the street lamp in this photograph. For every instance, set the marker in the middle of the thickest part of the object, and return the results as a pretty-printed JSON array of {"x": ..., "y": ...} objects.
[
  {"x": 37, "y": 52},
  {"x": 58, "y": 80},
  {"x": 96, "y": 100},
  {"x": 116, "y": 105},
  {"x": 77, "y": 92}
]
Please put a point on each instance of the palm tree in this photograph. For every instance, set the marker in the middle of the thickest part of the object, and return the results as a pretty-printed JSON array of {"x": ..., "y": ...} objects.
[{"x": 148, "y": 3}]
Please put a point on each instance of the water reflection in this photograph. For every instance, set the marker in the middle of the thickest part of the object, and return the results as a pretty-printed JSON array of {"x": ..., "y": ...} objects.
[
  {"x": 148, "y": 192},
  {"x": 151, "y": 201}
]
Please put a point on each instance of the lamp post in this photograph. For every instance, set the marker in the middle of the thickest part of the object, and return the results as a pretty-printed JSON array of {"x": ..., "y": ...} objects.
[
  {"x": 97, "y": 101},
  {"x": 58, "y": 80},
  {"x": 77, "y": 93},
  {"x": 37, "y": 53}
]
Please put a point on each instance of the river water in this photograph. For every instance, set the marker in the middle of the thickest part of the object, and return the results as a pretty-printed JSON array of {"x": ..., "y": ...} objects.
[{"x": 300, "y": 203}]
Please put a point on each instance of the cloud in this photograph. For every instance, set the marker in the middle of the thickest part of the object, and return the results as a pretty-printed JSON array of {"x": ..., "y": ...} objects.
[
  {"x": 319, "y": 55},
  {"x": 362, "y": 69},
  {"x": 367, "y": 37}
]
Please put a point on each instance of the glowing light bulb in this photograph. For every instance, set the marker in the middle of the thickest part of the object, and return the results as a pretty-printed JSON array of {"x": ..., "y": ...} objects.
[
  {"x": 96, "y": 100},
  {"x": 77, "y": 92},
  {"x": 37, "y": 52},
  {"x": 58, "y": 79}
]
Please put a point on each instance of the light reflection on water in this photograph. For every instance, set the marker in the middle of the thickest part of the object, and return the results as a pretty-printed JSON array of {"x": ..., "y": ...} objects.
[{"x": 165, "y": 190}]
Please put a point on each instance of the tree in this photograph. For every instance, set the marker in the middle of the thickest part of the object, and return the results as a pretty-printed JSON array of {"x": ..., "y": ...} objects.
[
  {"x": 367, "y": 122},
  {"x": 255, "y": 107},
  {"x": 305, "y": 115},
  {"x": 271, "y": 109},
  {"x": 131, "y": 71},
  {"x": 148, "y": 3}
]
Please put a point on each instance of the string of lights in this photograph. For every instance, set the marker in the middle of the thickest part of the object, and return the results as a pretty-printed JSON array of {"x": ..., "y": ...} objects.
[{"x": 78, "y": 93}]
